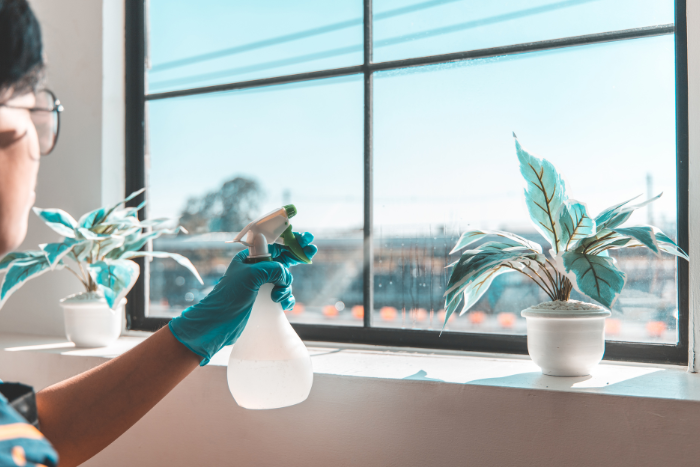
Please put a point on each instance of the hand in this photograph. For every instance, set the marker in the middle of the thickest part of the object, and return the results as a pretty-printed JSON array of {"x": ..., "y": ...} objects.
[
  {"x": 219, "y": 319},
  {"x": 282, "y": 254}
]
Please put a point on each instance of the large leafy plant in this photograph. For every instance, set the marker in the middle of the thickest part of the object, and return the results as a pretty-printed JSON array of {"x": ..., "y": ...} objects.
[
  {"x": 101, "y": 247},
  {"x": 578, "y": 257}
]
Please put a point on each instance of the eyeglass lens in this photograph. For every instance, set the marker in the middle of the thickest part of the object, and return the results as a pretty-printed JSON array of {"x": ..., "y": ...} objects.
[{"x": 46, "y": 122}]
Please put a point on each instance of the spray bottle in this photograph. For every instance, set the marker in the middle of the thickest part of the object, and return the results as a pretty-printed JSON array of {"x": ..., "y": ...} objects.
[{"x": 269, "y": 365}]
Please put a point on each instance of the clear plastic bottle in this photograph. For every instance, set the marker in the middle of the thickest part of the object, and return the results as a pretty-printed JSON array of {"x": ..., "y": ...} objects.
[{"x": 269, "y": 365}]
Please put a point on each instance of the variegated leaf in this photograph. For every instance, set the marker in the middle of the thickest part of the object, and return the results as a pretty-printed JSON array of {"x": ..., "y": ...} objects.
[
  {"x": 87, "y": 234},
  {"x": 181, "y": 260},
  {"x": 619, "y": 214},
  {"x": 472, "y": 292},
  {"x": 669, "y": 246},
  {"x": 55, "y": 252},
  {"x": 608, "y": 213},
  {"x": 58, "y": 220},
  {"x": 154, "y": 222},
  {"x": 574, "y": 224},
  {"x": 110, "y": 244},
  {"x": 141, "y": 240},
  {"x": 19, "y": 273},
  {"x": 125, "y": 222},
  {"x": 544, "y": 193},
  {"x": 10, "y": 258},
  {"x": 643, "y": 234},
  {"x": 474, "y": 262},
  {"x": 595, "y": 276},
  {"x": 599, "y": 240},
  {"x": 471, "y": 236},
  {"x": 82, "y": 250},
  {"x": 94, "y": 218},
  {"x": 114, "y": 278}
]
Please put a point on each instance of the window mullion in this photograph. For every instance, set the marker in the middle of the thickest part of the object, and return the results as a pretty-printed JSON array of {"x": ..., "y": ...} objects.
[
  {"x": 135, "y": 141},
  {"x": 682, "y": 172},
  {"x": 368, "y": 250}
]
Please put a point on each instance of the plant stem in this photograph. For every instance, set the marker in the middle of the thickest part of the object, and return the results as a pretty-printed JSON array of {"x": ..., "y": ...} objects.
[
  {"x": 569, "y": 287},
  {"x": 78, "y": 277},
  {"x": 565, "y": 290},
  {"x": 82, "y": 271},
  {"x": 558, "y": 280},
  {"x": 90, "y": 285},
  {"x": 552, "y": 280},
  {"x": 533, "y": 280},
  {"x": 551, "y": 292}
]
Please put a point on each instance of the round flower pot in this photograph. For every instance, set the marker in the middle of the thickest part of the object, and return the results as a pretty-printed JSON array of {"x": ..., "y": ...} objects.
[
  {"x": 89, "y": 322},
  {"x": 566, "y": 338}
]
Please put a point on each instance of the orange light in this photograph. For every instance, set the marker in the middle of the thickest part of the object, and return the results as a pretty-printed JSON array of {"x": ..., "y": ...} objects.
[
  {"x": 298, "y": 309},
  {"x": 656, "y": 328},
  {"x": 420, "y": 314},
  {"x": 358, "y": 312},
  {"x": 612, "y": 326},
  {"x": 388, "y": 313},
  {"x": 477, "y": 317},
  {"x": 441, "y": 317},
  {"x": 506, "y": 320},
  {"x": 330, "y": 311}
]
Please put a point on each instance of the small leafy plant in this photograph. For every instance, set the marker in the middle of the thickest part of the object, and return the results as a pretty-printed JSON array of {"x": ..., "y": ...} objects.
[
  {"x": 101, "y": 246},
  {"x": 579, "y": 255}
]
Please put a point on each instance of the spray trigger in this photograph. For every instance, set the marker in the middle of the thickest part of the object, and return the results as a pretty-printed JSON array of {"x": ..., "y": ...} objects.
[
  {"x": 291, "y": 242},
  {"x": 273, "y": 227}
]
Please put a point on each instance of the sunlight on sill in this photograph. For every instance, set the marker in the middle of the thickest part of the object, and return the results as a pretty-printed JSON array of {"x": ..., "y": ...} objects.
[
  {"x": 623, "y": 373},
  {"x": 24, "y": 348}
]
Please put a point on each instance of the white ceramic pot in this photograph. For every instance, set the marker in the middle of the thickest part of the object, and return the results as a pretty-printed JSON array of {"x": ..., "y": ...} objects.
[
  {"x": 566, "y": 338},
  {"x": 89, "y": 322}
]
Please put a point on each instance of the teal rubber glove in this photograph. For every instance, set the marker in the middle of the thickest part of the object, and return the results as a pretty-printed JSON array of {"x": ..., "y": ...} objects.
[
  {"x": 282, "y": 254},
  {"x": 219, "y": 319}
]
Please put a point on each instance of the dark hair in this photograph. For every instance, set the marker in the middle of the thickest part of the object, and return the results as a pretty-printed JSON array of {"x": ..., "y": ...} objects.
[{"x": 21, "y": 54}]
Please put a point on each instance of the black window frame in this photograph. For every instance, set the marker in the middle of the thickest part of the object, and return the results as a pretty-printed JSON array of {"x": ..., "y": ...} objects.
[{"x": 135, "y": 134}]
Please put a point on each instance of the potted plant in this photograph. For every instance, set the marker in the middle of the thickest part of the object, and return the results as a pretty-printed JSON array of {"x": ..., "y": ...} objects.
[
  {"x": 564, "y": 337},
  {"x": 100, "y": 247}
]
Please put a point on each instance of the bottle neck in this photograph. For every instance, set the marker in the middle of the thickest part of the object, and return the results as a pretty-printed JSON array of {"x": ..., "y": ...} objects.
[{"x": 257, "y": 260}]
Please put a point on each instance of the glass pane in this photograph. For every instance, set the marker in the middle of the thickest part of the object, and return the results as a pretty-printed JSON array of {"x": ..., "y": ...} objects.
[
  {"x": 194, "y": 44},
  {"x": 418, "y": 28},
  {"x": 218, "y": 161},
  {"x": 445, "y": 161}
]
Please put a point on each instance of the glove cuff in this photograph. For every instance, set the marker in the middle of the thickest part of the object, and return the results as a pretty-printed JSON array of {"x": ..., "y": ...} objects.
[{"x": 171, "y": 325}]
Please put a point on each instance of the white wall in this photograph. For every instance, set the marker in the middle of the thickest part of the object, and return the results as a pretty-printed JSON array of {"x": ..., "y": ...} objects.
[{"x": 86, "y": 71}]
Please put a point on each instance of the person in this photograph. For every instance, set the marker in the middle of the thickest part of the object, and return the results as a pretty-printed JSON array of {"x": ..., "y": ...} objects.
[{"x": 84, "y": 414}]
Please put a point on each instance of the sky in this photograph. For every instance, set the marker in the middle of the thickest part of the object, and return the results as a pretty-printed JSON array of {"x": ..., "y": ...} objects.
[{"x": 443, "y": 147}]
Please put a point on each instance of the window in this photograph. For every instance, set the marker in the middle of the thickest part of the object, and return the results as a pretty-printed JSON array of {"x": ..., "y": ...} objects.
[{"x": 388, "y": 124}]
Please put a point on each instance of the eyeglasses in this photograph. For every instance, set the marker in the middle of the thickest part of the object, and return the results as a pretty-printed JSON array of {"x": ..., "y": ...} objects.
[{"x": 46, "y": 116}]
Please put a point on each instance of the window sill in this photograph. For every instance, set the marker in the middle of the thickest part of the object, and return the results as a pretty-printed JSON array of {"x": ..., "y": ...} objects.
[{"x": 435, "y": 367}]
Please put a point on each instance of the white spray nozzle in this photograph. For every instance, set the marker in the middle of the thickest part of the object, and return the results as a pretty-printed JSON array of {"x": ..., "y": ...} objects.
[{"x": 264, "y": 230}]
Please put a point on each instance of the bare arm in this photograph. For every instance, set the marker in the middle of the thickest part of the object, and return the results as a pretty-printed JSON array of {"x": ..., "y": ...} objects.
[{"x": 84, "y": 414}]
